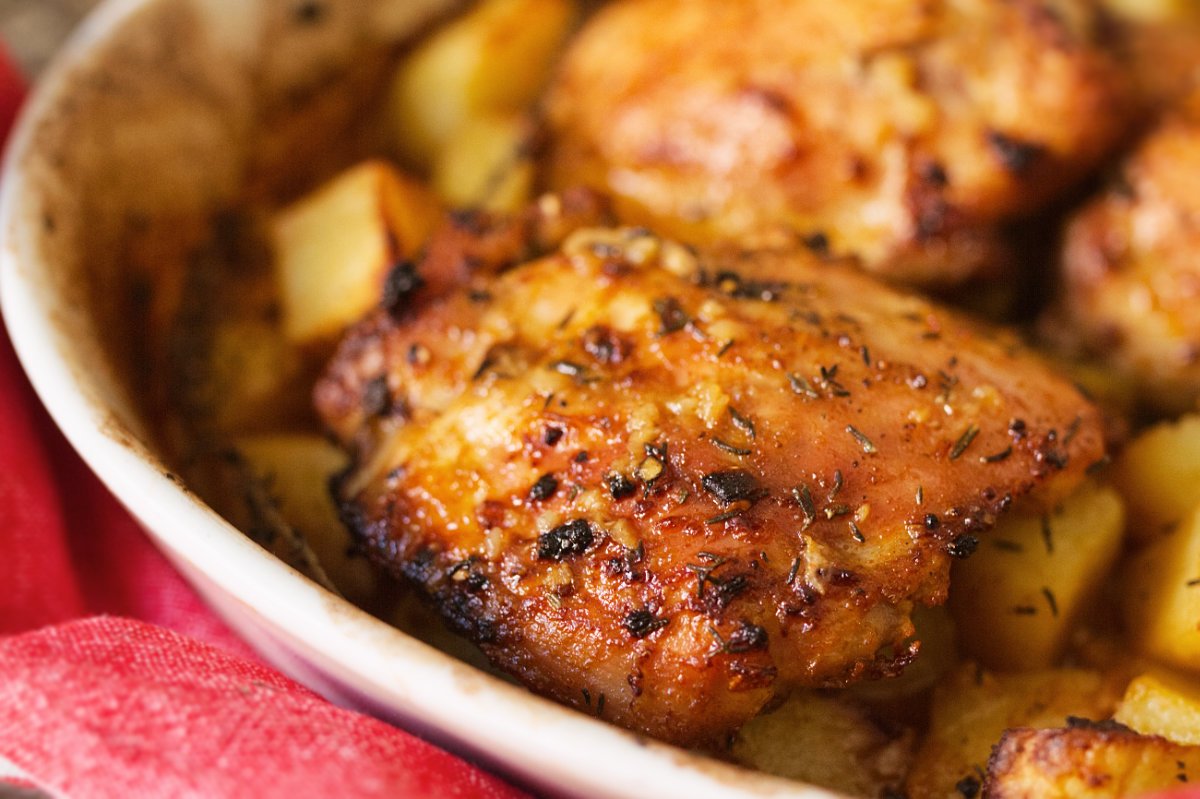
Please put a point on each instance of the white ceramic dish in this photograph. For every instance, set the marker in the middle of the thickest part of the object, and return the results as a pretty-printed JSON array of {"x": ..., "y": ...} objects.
[{"x": 153, "y": 114}]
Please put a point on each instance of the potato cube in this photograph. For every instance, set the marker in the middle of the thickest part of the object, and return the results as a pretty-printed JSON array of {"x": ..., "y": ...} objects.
[
  {"x": 296, "y": 469},
  {"x": 973, "y": 708},
  {"x": 1158, "y": 474},
  {"x": 1163, "y": 704},
  {"x": 1015, "y": 600},
  {"x": 487, "y": 164},
  {"x": 495, "y": 58},
  {"x": 1113, "y": 391},
  {"x": 335, "y": 247},
  {"x": 253, "y": 379},
  {"x": 905, "y": 697},
  {"x": 1162, "y": 597},
  {"x": 824, "y": 741},
  {"x": 1088, "y": 762}
]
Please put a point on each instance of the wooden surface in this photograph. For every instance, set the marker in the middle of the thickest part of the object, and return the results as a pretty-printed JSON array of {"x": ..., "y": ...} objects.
[{"x": 33, "y": 29}]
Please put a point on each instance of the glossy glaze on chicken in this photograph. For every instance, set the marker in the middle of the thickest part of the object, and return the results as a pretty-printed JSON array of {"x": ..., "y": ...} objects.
[{"x": 670, "y": 489}]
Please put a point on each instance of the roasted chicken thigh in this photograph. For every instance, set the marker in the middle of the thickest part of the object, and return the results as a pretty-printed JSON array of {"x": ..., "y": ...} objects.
[
  {"x": 1130, "y": 292},
  {"x": 903, "y": 133},
  {"x": 667, "y": 489}
]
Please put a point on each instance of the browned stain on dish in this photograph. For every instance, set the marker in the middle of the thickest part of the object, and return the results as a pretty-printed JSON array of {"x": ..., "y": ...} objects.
[{"x": 156, "y": 131}]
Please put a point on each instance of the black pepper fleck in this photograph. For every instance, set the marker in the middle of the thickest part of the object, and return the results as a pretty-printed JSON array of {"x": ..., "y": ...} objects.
[
  {"x": 620, "y": 486},
  {"x": 1014, "y": 155},
  {"x": 399, "y": 286},
  {"x": 572, "y": 538},
  {"x": 818, "y": 242},
  {"x": 962, "y": 547},
  {"x": 544, "y": 488},
  {"x": 746, "y": 638},
  {"x": 968, "y": 787},
  {"x": 309, "y": 13},
  {"x": 731, "y": 486},
  {"x": 671, "y": 316}
]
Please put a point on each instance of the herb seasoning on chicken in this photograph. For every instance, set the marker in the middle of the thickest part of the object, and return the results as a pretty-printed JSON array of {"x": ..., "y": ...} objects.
[{"x": 726, "y": 537}]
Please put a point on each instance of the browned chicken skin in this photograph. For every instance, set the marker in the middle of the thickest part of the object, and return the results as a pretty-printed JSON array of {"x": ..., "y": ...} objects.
[
  {"x": 1131, "y": 274},
  {"x": 1161, "y": 53},
  {"x": 667, "y": 492},
  {"x": 900, "y": 132}
]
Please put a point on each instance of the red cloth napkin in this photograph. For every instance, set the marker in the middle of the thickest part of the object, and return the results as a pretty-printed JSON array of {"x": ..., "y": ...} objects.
[{"x": 98, "y": 699}]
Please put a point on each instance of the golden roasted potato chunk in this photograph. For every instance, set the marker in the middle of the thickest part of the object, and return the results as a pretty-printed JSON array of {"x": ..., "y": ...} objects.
[
  {"x": 906, "y": 696},
  {"x": 335, "y": 248},
  {"x": 1130, "y": 290},
  {"x": 1017, "y": 599},
  {"x": 486, "y": 163},
  {"x": 495, "y": 59},
  {"x": 1087, "y": 762},
  {"x": 1162, "y": 597},
  {"x": 1163, "y": 704},
  {"x": 253, "y": 378},
  {"x": 825, "y": 741},
  {"x": 1158, "y": 475},
  {"x": 972, "y": 709},
  {"x": 900, "y": 132}
]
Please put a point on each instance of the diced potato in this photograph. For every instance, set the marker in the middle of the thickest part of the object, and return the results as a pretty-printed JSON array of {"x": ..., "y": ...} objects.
[
  {"x": 1163, "y": 704},
  {"x": 335, "y": 247},
  {"x": 1016, "y": 599},
  {"x": 487, "y": 163},
  {"x": 1087, "y": 763},
  {"x": 1113, "y": 391},
  {"x": 904, "y": 697},
  {"x": 827, "y": 742},
  {"x": 1158, "y": 474},
  {"x": 1162, "y": 597},
  {"x": 494, "y": 59},
  {"x": 296, "y": 469},
  {"x": 973, "y": 708},
  {"x": 253, "y": 378}
]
